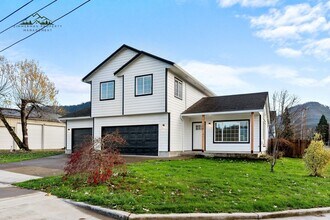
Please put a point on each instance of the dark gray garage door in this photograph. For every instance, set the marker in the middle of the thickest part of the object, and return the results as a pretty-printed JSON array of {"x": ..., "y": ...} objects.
[
  {"x": 79, "y": 136},
  {"x": 141, "y": 139}
]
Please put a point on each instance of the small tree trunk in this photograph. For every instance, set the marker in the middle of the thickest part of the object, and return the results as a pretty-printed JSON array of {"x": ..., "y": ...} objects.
[
  {"x": 19, "y": 143},
  {"x": 24, "y": 124},
  {"x": 273, "y": 163}
]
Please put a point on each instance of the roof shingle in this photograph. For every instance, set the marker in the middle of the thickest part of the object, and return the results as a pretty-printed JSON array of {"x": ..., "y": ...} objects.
[{"x": 241, "y": 102}]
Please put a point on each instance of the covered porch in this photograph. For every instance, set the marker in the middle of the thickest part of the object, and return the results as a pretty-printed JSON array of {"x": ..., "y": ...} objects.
[{"x": 228, "y": 133}]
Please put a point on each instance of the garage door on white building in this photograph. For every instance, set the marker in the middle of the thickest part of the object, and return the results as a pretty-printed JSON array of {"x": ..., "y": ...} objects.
[
  {"x": 6, "y": 141},
  {"x": 54, "y": 137}
]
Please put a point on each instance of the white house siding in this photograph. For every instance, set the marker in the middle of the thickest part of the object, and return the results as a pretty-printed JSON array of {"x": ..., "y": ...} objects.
[
  {"x": 190, "y": 95},
  {"x": 72, "y": 124},
  {"x": 154, "y": 103},
  {"x": 35, "y": 135},
  {"x": 6, "y": 141},
  {"x": 150, "y": 119},
  {"x": 193, "y": 95},
  {"x": 210, "y": 146},
  {"x": 53, "y": 137},
  {"x": 106, "y": 73}
]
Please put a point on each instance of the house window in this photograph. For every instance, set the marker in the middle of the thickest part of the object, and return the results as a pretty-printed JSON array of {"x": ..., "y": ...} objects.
[
  {"x": 231, "y": 131},
  {"x": 178, "y": 88},
  {"x": 107, "y": 90},
  {"x": 143, "y": 85}
]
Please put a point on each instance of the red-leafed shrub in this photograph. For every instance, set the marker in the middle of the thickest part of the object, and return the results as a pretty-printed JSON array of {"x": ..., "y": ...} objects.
[{"x": 97, "y": 160}]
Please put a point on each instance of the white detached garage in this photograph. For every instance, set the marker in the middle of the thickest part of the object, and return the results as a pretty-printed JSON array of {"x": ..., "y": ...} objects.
[{"x": 45, "y": 131}]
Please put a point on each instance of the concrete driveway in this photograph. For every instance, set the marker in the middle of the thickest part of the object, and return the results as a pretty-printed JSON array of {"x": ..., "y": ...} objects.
[{"x": 17, "y": 203}]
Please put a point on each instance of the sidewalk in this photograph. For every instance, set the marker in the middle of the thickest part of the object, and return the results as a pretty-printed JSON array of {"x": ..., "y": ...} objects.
[{"x": 21, "y": 204}]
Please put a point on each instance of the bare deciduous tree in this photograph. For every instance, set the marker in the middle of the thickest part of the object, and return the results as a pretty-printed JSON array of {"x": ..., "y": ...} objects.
[
  {"x": 5, "y": 70},
  {"x": 31, "y": 90},
  {"x": 280, "y": 101}
]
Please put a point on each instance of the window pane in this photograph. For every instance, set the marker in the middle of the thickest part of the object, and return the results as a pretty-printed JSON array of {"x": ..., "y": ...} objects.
[
  {"x": 218, "y": 131},
  {"x": 111, "y": 90},
  {"x": 147, "y": 84},
  {"x": 230, "y": 131},
  {"x": 139, "y": 86},
  {"x": 180, "y": 90},
  {"x": 176, "y": 88},
  {"x": 107, "y": 90},
  {"x": 103, "y": 91},
  {"x": 244, "y": 131}
]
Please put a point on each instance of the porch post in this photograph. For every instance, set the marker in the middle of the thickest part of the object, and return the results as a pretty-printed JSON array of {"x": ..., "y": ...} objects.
[
  {"x": 252, "y": 132},
  {"x": 203, "y": 133}
]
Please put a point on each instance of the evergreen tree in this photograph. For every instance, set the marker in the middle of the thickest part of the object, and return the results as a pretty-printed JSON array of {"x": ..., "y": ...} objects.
[
  {"x": 323, "y": 129},
  {"x": 286, "y": 123}
]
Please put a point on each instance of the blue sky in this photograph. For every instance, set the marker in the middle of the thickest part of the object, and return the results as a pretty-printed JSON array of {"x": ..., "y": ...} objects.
[{"x": 232, "y": 46}]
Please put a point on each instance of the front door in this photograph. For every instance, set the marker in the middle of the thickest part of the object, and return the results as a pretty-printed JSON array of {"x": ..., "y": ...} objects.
[{"x": 197, "y": 136}]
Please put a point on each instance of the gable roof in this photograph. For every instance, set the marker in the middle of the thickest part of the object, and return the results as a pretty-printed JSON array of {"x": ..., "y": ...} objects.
[
  {"x": 174, "y": 67},
  {"x": 139, "y": 53},
  {"x": 241, "y": 102}
]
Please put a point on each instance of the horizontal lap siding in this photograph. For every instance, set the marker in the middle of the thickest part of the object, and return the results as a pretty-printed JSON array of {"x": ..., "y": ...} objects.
[
  {"x": 150, "y": 103},
  {"x": 180, "y": 137},
  {"x": 72, "y": 124},
  {"x": 210, "y": 146},
  {"x": 106, "y": 73},
  {"x": 176, "y": 107},
  {"x": 152, "y": 119}
]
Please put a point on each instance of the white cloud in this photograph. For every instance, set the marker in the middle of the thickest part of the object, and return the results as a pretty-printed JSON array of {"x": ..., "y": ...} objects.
[
  {"x": 71, "y": 89},
  {"x": 301, "y": 25},
  {"x": 247, "y": 3},
  {"x": 289, "y": 52},
  {"x": 319, "y": 48},
  {"x": 222, "y": 78}
]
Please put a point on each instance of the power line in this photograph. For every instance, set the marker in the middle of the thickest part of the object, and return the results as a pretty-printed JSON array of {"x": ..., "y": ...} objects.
[
  {"x": 28, "y": 16},
  {"x": 16, "y": 11},
  {"x": 45, "y": 26}
]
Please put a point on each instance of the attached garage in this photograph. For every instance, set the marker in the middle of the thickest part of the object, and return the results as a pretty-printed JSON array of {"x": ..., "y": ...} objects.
[
  {"x": 79, "y": 136},
  {"x": 141, "y": 139}
]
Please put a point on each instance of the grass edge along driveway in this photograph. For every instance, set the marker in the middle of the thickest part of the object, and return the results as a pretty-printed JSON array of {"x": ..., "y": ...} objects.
[
  {"x": 17, "y": 156},
  {"x": 200, "y": 185}
]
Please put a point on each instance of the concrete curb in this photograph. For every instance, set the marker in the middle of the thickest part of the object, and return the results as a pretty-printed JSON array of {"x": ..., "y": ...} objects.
[
  {"x": 185, "y": 216},
  {"x": 103, "y": 211}
]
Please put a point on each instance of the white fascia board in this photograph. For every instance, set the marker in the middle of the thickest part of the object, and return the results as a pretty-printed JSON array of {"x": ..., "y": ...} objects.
[{"x": 222, "y": 113}]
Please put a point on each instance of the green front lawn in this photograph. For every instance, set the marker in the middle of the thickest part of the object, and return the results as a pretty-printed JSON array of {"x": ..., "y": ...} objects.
[
  {"x": 16, "y": 156},
  {"x": 200, "y": 185}
]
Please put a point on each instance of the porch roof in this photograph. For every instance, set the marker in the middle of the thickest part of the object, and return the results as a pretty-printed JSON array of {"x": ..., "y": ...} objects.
[{"x": 230, "y": 103}]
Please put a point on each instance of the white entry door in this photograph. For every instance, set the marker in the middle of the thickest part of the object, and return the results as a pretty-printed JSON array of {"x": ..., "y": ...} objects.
[{"x": 197, "y": 136}]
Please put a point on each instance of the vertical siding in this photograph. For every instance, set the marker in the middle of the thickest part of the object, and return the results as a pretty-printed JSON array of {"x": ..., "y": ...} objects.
[
  {"x": 154, "y": 103},
  {"x": 71, "y": 124},
  {"x": 150, "y": 119},
  {"x": 105, "y": 73},
  {"x": 190, "y": 95}
]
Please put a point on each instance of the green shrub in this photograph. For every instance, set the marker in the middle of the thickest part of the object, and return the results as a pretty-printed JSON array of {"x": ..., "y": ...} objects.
[{"x": 317, "y": 157}]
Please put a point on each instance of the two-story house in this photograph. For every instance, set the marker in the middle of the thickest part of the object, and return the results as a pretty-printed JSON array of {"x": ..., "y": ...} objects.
[{"x": 162, "y": 110}]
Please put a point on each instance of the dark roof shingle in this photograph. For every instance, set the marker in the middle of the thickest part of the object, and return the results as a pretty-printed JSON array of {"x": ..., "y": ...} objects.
[{"x": 241, "y": 102}]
